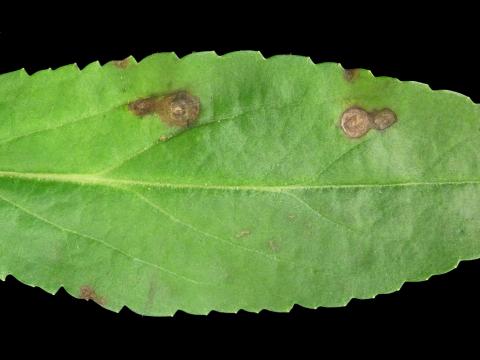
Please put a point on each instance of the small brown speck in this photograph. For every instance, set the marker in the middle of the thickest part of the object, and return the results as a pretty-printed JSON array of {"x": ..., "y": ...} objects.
[
  {"x": 87, "y": 293},
  {"x": 122, "y": 64},
  {"x": 351, "y": 74},
  {"x": 163, "y": 138},
  {"x": 355, "y": 122}
]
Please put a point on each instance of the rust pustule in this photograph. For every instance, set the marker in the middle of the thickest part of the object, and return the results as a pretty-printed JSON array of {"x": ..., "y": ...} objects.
[
  {"x": 180, "y": 109},
  {"x": 351, "y": 74},
  {"x": 87, "y": 293},
  {"x": 355, "y": 122}
]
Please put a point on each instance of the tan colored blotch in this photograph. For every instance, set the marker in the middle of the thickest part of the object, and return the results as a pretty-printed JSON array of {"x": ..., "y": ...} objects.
[
  {"x": 87, "y": 293},
  {"x": 122, "y": 64},
  {"x": 178, "y": 109},
  {"x": 356, "y": 122},
  {"x": 383, "y": 119}
]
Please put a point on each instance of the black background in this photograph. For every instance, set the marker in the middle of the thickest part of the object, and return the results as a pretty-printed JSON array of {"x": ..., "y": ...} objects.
[{"x": 439, "y": 50}]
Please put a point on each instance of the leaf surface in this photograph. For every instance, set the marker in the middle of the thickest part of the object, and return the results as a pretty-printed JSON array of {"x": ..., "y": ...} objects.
[{"x": 256, "y": 199}]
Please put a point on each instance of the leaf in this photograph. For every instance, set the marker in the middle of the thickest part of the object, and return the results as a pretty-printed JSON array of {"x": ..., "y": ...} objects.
[{"x": 225, "y": 183}]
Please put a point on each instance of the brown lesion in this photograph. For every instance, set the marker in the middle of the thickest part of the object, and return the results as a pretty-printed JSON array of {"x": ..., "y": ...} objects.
[
  {"x": 383, "y": 119},
  {"x": 351, "y": 74},
  {"x": 121, "y": 64},
  {"x": 356, "y": 122},
  {"x": 144, "y": 106},
  {"x": 178, "y": 109},
  {"x": 88, "y": 293}
]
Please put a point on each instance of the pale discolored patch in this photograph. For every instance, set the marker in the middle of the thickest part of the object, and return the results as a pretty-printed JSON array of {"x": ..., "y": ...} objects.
[{"x": 243, "y": 233}]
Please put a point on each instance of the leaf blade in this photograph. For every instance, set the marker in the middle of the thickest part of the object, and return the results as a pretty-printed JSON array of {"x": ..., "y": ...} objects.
[{"x": 263, "y": 203}]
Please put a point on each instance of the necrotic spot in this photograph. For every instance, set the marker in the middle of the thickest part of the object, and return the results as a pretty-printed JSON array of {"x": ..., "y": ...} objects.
[
  {"x": 122, "y": 64},
  {"x": 351, "y": 74},
  {"x": 383, "y": 119},
  {"x": 143, "y": 107},
  {"x": 87, "y": 293},
  {"x": 355, "y": 122},
  {"x": 179, "y": 109}
]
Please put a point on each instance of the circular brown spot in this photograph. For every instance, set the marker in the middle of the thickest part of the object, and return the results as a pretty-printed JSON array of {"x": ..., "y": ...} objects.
[
  {"x": 181, "y": 108},
  {"x": 383, "y": 119},
  {"x": 355, "y": 122}
]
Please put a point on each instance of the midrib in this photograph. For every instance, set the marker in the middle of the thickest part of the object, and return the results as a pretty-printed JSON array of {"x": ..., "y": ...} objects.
[{"x": 82, "y": 179}]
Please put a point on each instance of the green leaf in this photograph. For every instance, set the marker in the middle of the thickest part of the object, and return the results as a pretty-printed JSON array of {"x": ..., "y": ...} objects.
[{"x": 234, "y": 182}]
